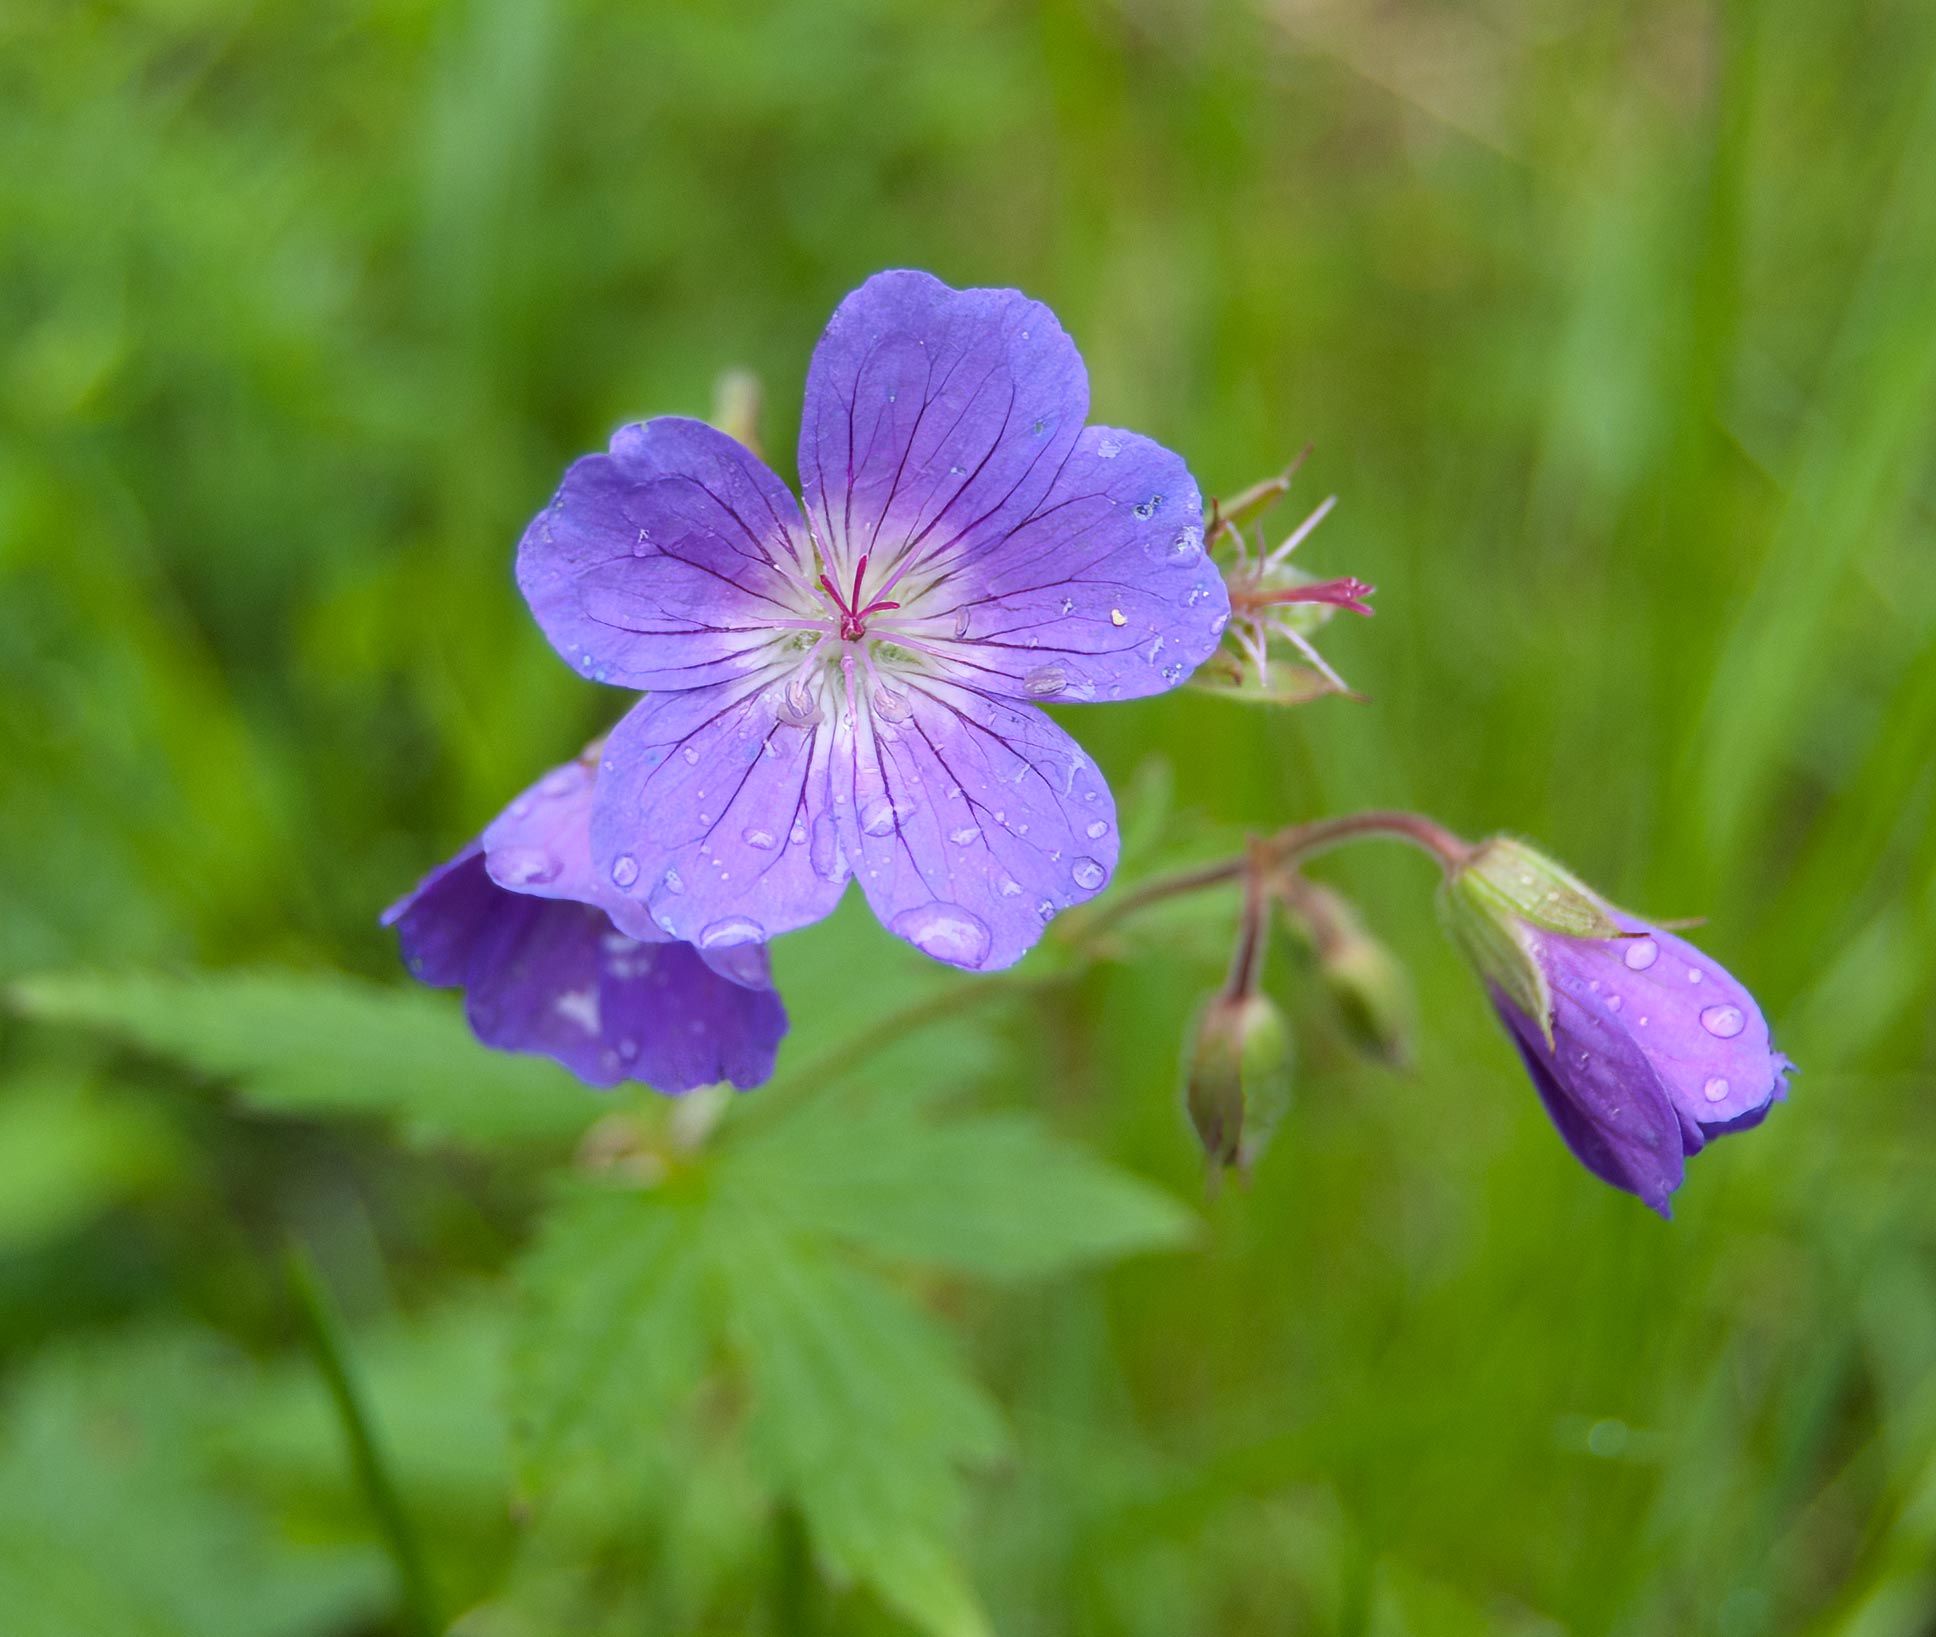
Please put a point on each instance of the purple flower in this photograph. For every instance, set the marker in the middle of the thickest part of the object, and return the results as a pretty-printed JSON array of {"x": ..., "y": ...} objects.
[
  {"x": 854, "y": 692},
  {"x": 552, "y": 960},
  {"x": 1641, "y": 1047}
]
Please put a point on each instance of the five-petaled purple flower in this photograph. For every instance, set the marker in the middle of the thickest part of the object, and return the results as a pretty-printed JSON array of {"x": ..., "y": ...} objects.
[
  {"x": 1641, "y": 1047},
  {"x": 553, "y": 960},
  {"x": 854, "y": 693}
]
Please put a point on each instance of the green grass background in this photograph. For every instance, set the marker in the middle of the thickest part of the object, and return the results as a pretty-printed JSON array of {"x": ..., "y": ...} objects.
[{"x": 1614, "y": 328}]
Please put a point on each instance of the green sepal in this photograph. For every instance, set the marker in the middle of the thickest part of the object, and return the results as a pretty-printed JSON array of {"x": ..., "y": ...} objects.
[
  {"x": 1237, "y": 1078},
  {"x": 1496, "y": 902}
]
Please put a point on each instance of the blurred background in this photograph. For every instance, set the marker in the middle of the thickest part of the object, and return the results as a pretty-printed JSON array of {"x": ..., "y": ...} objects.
[{"x": 1614, "y": 329}]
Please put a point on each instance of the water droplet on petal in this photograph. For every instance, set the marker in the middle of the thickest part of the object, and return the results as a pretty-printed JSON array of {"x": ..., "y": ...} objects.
[
  {"x": 945, "y": 931},
  {"x": 1146, "y": 509},
  {"x": 560, "y": 781},
  {"x": 1008, "y": 886},
  {"x": 1045, "y": 681},
  {"x": 1693, "y": 974},
  {"x": 824, "y": 853},
  {"x": 1641, "y": 954},
  {"x": 1723, "y": 1021},
  {"x": 690, "y": 756},
  {"x": 797, "y": 834},
  {"x": 1613, "y": 1003},
  {"x": 880, "y": 816},
  {"x": 524, "y": 866},
  {"x": 961, "y": 623},
  {"x": 756, "y": 837},
  {"x": 625, "y": 870},
  {"x": 892, "y": 706},
  {"x": 1716, "y": 1090},
  {"x": 733, "y": 930},
  {"x": 1097, "y": 831},
  {"x": 1118, "y": 617},
  {"x": 1045, "y": 908},
  {"x": 1088, "y": 873},
  {"x": 674, "y": 882},
  {"x": 1217, "y": 625},
  {"x": 1109, "y": 448},
  {"x": 966, "y": 834},
  {"x": 1067, "y": 605}
]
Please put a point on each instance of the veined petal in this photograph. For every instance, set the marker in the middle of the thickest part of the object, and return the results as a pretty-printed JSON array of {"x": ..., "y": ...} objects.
[
  {"x": 1103, "y": 592},
  {"x": 972, "y": 821},
  {"x": 713, "y": 812},
  {"x": 1605, "y": 1098},
  {"x": 935, "y": 419},
  {"x": 667, "y": 562},
  {"x": 542, "y": 845},
  {"x": 551, "y": 976}
]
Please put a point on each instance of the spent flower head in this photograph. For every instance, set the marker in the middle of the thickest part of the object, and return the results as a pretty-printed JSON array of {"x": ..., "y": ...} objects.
[
  {"x": 553, "y": 961},
  {"x": 1268, "y": 655},
  {"x": 852, "y": 690}
]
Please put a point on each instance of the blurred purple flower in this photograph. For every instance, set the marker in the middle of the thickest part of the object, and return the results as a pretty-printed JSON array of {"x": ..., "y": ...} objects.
[
  {"x": 552, "y": 960},
  {"x": 856, "y": 693},
  {"x": 1655, "y": 1049}
]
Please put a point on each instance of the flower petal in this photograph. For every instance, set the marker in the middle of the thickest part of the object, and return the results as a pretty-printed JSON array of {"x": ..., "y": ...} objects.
[
  {"x": 935, "y": 418},
  {"x": 541, "y": 844},
  {"x": 972, "y": 821},
  {"x": 551, "y": 976},
  {"x": 712, "y": 810},
  {"x": 1103, "y": 592},
  {"x": 665, "y": 563},
  {"x": 1604, "y": 1097}
]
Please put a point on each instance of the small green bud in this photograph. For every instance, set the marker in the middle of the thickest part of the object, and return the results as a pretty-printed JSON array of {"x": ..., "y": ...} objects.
[
  {"x": 1369, "y": 990},
  {"x": 1237, "y": 1078},
  {"x": 1498, "y": 898}
]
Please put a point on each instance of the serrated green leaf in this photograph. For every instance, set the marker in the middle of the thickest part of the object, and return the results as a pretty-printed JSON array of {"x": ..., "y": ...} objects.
[
  {"x": 324, "y": 1045},
  {"x": 862, "y": 1414},
  {"x": 612, "y": 1335},
  {"x": 989, "y": 1194}
]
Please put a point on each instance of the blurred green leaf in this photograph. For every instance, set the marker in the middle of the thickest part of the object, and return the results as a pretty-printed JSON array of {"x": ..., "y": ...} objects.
[
  {"x": 989, "y": 1194},
  {"x": 66, "y": 1156},
  {"x": 111, "y": 1519},
  {"x": 325, "y": 1046}
]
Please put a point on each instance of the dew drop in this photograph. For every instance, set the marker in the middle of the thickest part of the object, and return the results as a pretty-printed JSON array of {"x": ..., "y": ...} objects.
[
  {"x": 1183, "y": 549},
  {"x": 1045, "y": 909},
  {"x": 1008, "y": 886},
  {"x": 731, "y": 932},
  {"x": 892, "y": 706},
  {"x": 1693, "y": 974},
  {"x": 1217, "y": 625},
  {"x": 673, "y": 882},
  {"x": 880, "y": 816},
  {"x": 966, "y": 834},
  {"x": 1109, "y": 448},
  {"x": 524, "y": 866},
  {"x": 1118, "y": 617},
  {"x": 1716, "y": 1090},
  {"x": 1067, "y": 605},
  {"x": 1146, "y": 509},
  {"x": 961, "y": 623},
  {"x": 1724, "y": 1022},
  {"x": 690, "y": 756},
  {"x": 1613, "y": 1003},
  {"x": 797, "y": 834},
  {"x": 1641, "y": 954},
  {"x": 1045, "y": 681},
  {"x": 824, "y": 853},
  {"x": 1088, "y": 873},
  {"x": 945, "y": 931},
  {"x": 1097, "y": 831},
  {"x": 756, "y": 837},
  {"x": 560, "y": 781},
  {"x": 625, "y": 870}
]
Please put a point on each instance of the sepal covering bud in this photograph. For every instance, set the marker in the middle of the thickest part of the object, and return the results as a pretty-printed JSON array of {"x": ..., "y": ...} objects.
[
  {"x": 1237, "y": 1078},
  {"x": 1368, "y": 988}
]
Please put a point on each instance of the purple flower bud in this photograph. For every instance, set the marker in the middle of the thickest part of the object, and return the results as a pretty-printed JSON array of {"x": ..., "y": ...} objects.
[
  {"x": 1641, "y": 1047},
  {"x": 553, "y": 961}
]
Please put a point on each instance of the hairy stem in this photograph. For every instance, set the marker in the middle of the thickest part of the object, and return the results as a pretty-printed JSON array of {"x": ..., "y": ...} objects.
[{"x": 1289, "y": 846}]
